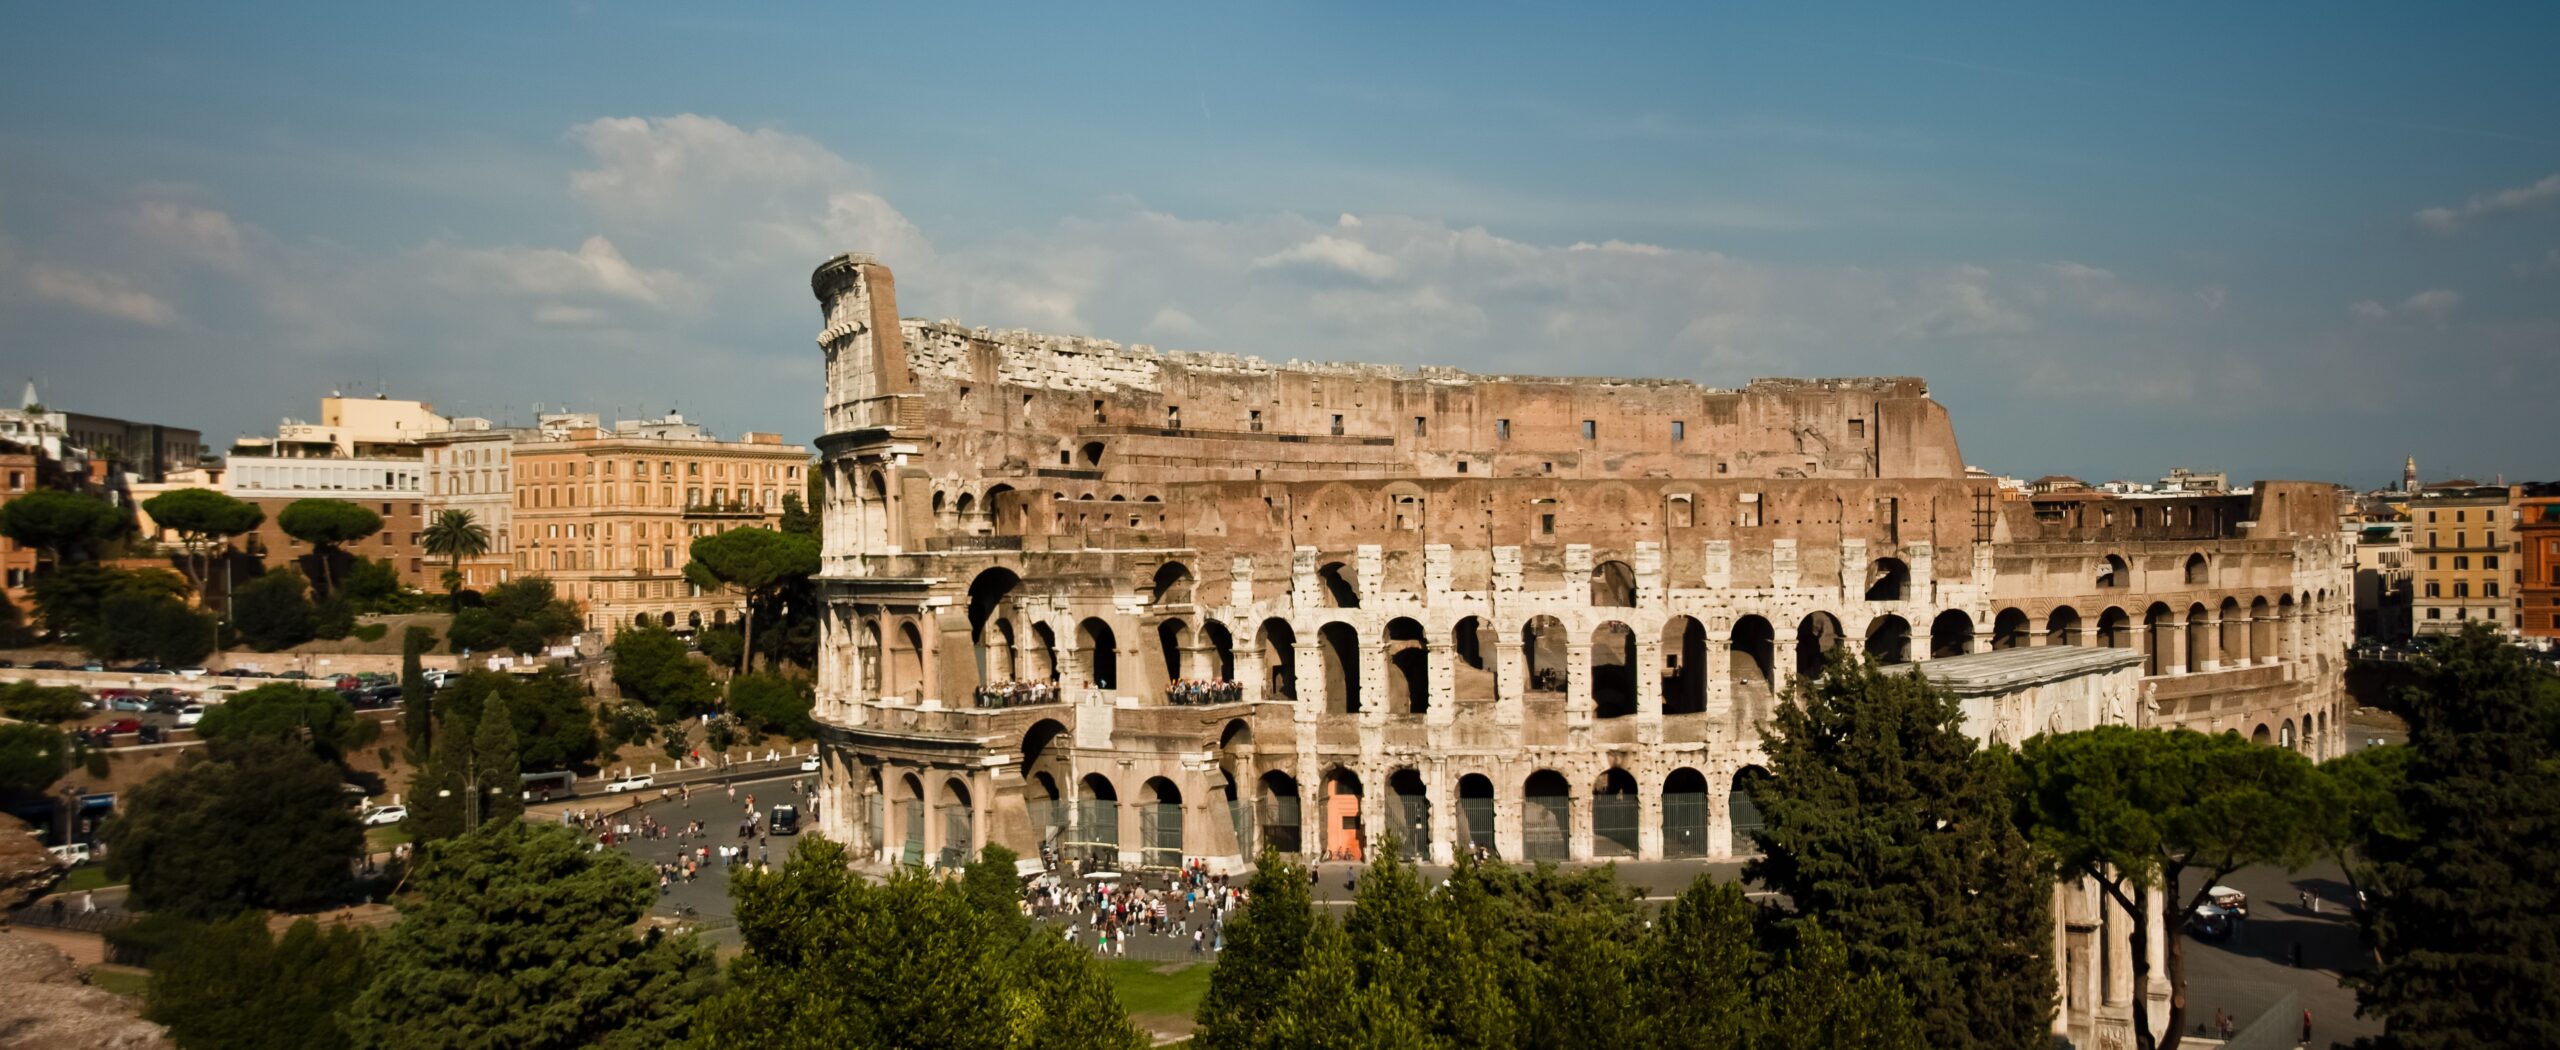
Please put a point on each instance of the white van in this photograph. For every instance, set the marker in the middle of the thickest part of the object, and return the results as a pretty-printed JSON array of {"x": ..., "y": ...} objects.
[{"x": 629, "y": 782}]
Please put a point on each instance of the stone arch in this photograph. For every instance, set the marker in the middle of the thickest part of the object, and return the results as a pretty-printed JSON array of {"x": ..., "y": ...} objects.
[
  {"x": 1951, "y": 634},
  {"x": 911, "y": 813},
  {"x": 875, "y": 659},
  {"x": 1335, "y": 589},
  {"x": 1091, "y": 453},
  {"x": 1617, "y": 812},
  {"x": 1889, "y": 639},
  {"x": 1277, "y": 643},
  {"x": 2199, "y": 572},
  {"x": 1753, "y": 659},
  {"x": 2284, "y": 734},
  {"x": 1277, "y": 812},
  {"x": 1684, "y": 813},
  {"x": 2260, "y": 734},
  {"x": 938, "y": 499},
  {"x": 2262, "y": 630},
  {"x": 1475, "y": 813},
  {"x": 2115, "y": 628},
  {"x": 1101, "y": 651},
  {"x": 2156, "y": 640},
  {"x": 1345, "y": 838},
  {"x": 2113, "y": 573},
  {"x": 640, "y": 619},
  {"x": 875, "y": 511},
  {"x": 1172, "y": 585},
  {"x": 1888, "y": 580},
  {"x": 1222, "y": 650},
  {"x": 1043, "y": 656},
  {"x": 990, "y": 595},
  {"x": 2288, "y": 627},
  {"x": 907, "y": 661},
  {"x": 1818, "y": 635},
  {"x": 964, "y": 505},
  {"x": 1173, "y": 637},
  {"x": 2009, "y": 629},
  {"x": 2234, "y": 649},
  {"x": 1743, "y": 810},
  {"x": 2200, "y": 641},
  {"x": 1546, "y": 816},
  {"x": 1613, "y": 585},
  {"x": 1160, "y": 841},
  {"x": 1236, "y": 734},
  {"x": 1684, "y": 684},
  {"x": 667, "y": 619},
  {"x": 1542, "y": 647},
  {"x": 1409, "y": 811},
  {"x": 1613, "y": 670},
  {"x": 959, "y": 823},
  {"x": 2062, "y": 626},
  {"x": 1473, "y": 644},
  {"x": 1097, "y": 834},
  {"x": 1338, "y": 646},
  {"x": 1408, "y": 667}
]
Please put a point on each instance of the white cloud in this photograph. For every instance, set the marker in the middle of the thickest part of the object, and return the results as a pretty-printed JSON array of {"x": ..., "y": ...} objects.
[
  {"x": 197, "y": 234},
  {"x": 2448, "y": 220},
  {"x": 1333, "y": 253},
  {"x": 565, "y": 314},
  {"x": 104, "y": 294},
  {"x": 596, "y": 269},
  {"x": 2368, "y": 311},
  {"x": 2433, "y": 303},
  {"x": 1173, "y": 323}
]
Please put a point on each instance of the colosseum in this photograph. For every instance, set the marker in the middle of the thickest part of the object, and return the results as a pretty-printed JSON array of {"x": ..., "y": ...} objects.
[{"x": 1145, "y": 608}]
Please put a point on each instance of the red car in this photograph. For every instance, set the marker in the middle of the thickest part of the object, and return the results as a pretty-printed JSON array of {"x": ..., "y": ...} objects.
[{"x": 125, "y": 725}]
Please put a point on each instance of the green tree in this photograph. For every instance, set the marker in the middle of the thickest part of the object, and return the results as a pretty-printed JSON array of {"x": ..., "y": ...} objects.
[
  {"x": 940, "y": 967},
  {"x": 524, "y": 614},
  {"x": 723, "y": 644},
  {"x": 437, "y": 789},
  {"x": 60, "y": 525},
  {"x": 32, "y": 757},
  {"x": 372, "y": 586},
  {"x": 1401, "y": 938},
  {"x": 319, "y": 719},
  {"x": 770, "y": 703},
  {"x": 417, "y": 700},
  {"x": 796, "y": 518},
  {"x": 553, "y": 728},
  {"x": 1268, "y": 941},
  {"x": 1889, "y": 827},
  {"x": 453, "y": 536},
  {"x": 2364, "y": 788},
  {"x": 760, "y": 563},
  {"x": 29, "y": 702},
  {"x": 251, "y": 823},
  {"x": 328, "y": 525},
  {"x": 74, "y": 602},
  {"x": 1698, "y": 968},
  {"x": 2143, "y": 809},
  {"x": 496, "y": 776},
  {"x": 1816, "y": 1000},
  {"x": 273, "y": 612},
  {"x": 2467, "y": 915},
  {"x": 650, "y": 665},
  {"x": 230, "y": 985},
  {"x": 134, "y": 624},
  {"x": 519, "y": 937},
  {"x": 203, "y": 519}
]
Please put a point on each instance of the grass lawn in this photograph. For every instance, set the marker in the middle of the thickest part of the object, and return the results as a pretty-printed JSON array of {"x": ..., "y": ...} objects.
[
  {"x": 86, "y": 877},
  {"x": 122, "y": 980},
  {"x": 1162, "y": 990},
  {"x": 381, "y": 839}
]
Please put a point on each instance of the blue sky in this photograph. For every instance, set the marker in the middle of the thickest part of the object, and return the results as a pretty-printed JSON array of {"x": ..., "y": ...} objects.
[{"x": 2288, "y": 240}]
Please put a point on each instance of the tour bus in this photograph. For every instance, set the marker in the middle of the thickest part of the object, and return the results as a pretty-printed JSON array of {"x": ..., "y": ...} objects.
[{"x": 543, "y": 787}]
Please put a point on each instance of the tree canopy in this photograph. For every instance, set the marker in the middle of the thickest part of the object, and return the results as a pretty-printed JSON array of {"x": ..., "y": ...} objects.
[
  {"x": 203, "y": 519},
  {"x": 940, "y": 965},
  {"x": 240, "y": 824},
  {"x": 317, "y": 718},
  {"x": 1890, "y": 827},
  {"x": 273, "y": 612},
  {"x": 328, "y": 525},
  {"x": 759, "y": 562},
  {"x": 547, "y": 710},
  {"x": 29, "y": 702},
  {"x": 770, "y": 703},
  {"x": 650, "y": 665},
  {"x": 2466, "y": 917},
  {"x": 525, "y": 615},
  {"x": 453, "y": 536},
  {"x": 32, "y": 757},
  {"x": 230, "y": 985},
  {"x": 61, "y": 525},
  {"x": 518, "y": 936}
]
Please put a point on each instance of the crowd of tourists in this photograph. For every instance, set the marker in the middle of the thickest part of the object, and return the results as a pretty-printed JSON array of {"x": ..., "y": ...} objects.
[
  {"x": 1017, "y": 694},
  {"x": 1187, "y": 905},
  {"x": 1192, "y": 691}
]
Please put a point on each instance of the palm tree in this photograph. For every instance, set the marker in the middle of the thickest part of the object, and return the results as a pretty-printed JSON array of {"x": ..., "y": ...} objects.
[{"x": 455, "y": 536}]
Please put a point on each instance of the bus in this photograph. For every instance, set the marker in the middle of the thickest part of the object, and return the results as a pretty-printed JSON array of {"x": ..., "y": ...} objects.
[{"x": 543, "y": 787}]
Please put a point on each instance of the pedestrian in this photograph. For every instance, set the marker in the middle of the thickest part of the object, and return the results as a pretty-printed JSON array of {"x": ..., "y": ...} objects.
[
  {"x": 88, "y": 902},
  {"x": 2223, "y": 1022},
  {"x": 2306, "y": 1027},
  {"x": 1196, "y": 940}
]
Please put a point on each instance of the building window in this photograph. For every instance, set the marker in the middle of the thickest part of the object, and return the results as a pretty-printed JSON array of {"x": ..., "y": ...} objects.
[
  {"x": 1253, "y": 420},
  {"x": 1173, "y": 417},
  {"x": 1858, "y": 429},
  {"x": 2431, "y": 540},
  {"x": 2431, "y": 563},
  {"x": 2434, "y": 589},
  {"x": 2490, "y": 589},
  {"x": 2434, "y": 613},
  {"x": 2462, "y": 561},
  {"x": 1337, "y": 426},
  {"x": 1546, "y": 524},
  {"x": 1462, "y": 466},
  {"x": 1590, "y": 430},
  {"x": 1421, "y": 426},
  {"x": 1502, "y": 430},
  {"x": 1098, "y": 415},
  {"x": 2461, "y": 589},
  {"x": 1679, "y": 431},
  {"x": 1750, "y": 517},
  {"x": 2461, "y": 515}
]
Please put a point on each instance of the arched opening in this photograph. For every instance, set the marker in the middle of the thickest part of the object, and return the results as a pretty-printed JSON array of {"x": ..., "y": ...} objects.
[
  {"x": 1173, "y": 637},
  {"x": 1474, "y": 678},
  {"x": 911, "y": 814},
  {"x": 2262, "y": 631},
  {"x": 1277, "y": 812},
  {"x": 640, "y": 619},
  {"x": 2235, "y": 634},
  {"x": 2199, "y": 571},
  {"x": 1339, "y": 648},
  {"x": 1409, "y": 812},
  {"x": 1101, "y": 651},
  {"x": 1613, "y": 585},
  {"x": 2062, "y": 626},
  {"x": 2260, "y": 734},
  {"x": 988, "y": 504},
  {"x": 2156, "y": 639},
  {"x": 1042, "y": 663},
  {"x": 990, "y": 597},
  {"x": 908, "y": 661},
  {"x": 1546, "y": 816},
  {"x": 959, "y": 841},
  {"x": 1613, "y": 671},
  {"x": 1097, "y": 835},
  {"x": 937, "y": 502},
  {"x": 1160, "y": 824},
  {"x": 1542, "y": 645},
  {"x": 1408, "y": 667},
  {"x": 2284, "y": 733},
  {"x": 875, "y": 660},
  {"x": 1239, "y": 811},
  {"x": 1172, "y": 585},
  {"x": 2115, "y": 628},
  {"x": 1684, "y": 681},
  {"x": 1278, "y": 646},
  {"x": 1889, "y": 640},
  {"x": 1684, "y": 813},
  {"x": 1044, "y": 767},
  {"x": 1951, "y": 634},
  {"x": 2113, "y": 573},
  {"x": 1744, "y": 810},
  {"x": 693, "y": 619},
  {"x": 1475, "y": 813},
  {"x": 1616, "y": 814},
  {"x": 2009, "y": 629},
  {"x": 875, "y": 826},
  {"x": 1888, "y": 580},
  {"x": 1336, "y": 590},
  {"x": 667, "y": 619},
  {"x": 1344, "y": 838},
  {"x": 1222, "y": 652},
  {"x": 1818, "y": 635},
  {"x": 1092, "y": 453},
  {"x": 875, "y": 512},
  {"x": 1753, "y": 660},
  {"x": 964, "y": 505},
  {"x": 2200, "y": 647}
]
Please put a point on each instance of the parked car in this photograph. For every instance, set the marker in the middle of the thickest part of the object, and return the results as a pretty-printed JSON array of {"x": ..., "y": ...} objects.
[
  {"x": 147, "y": 667},
  {"x": 219, "y": 694},
  {"x": 386, "y": 695},
  {"x": 629, "y": 782},
  {"x": 359, "y": 699},
  {"x": 2209, "y": 923},
  {"x": 189, "y": 715},
  {"x": 2230, "y": 900},
  {"x": 237, "y": 672},
  {"x": 72, "y": 853},
  {"x": 45, "y": 665},
  {"x": 150, "y": 734},
  {"x": 93, "y": 667},
  {"x": 127, "y": 702},
  {"x": 123, "y": 725},
  {"x": 164, "y": 704},
  {"x": 190, "y": 672},
  {"x": 294, "y": 676},
  {"x": 809, "y": 764},
  {"x": 376, "y": 816},
  {"x": 348, "y": 681},
  {"x": 6, "y": 662},
  {"x": 786, "y": 820}
]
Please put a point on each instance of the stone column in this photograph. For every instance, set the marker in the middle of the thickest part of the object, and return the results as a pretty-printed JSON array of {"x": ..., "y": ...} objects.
[
  {"x": 2172, "y": 633},
  {"x": 2086, "y": 635},
  {"x": 1373, "y": 682},
  {"x": 1981, "y": 641},
  {"x": 2211, "y": 658},
  {"x": 1649, "y": 819},
  {"x": 1311, "y": 683},
  {"x": 1577, "y": 841},
  {"x": 1442, "y": 662},
  {"x": 2037, "y": 637},
  {"x": 1782, "y": 658},
  {"x": 1719, "y": 669},
  {"x": 1443, "y": 793},
  {"x": 1648, "y": 675},
  {"x": 1511, "y": 677},
  {"x": 1577, "y": 688},
  {"x": 1720, "y": 844},
  {"x": 1509, "y": 800}
]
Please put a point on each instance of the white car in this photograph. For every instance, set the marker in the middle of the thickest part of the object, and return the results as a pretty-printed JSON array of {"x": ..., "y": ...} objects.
[
  {"x": 378, "y": 815},
  {"x": 190, "y": 715},
  {"x": 629, "y": 782},
  {"x": 189, "y": 672},
  {"x": 809, "y": 764},
  {"x": 75, "y": 853}
]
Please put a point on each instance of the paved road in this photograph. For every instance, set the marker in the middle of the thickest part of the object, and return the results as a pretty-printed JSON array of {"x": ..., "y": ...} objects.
[
  {"x": 708, "y": 894},
  {"x": 2252, "y": 970}
]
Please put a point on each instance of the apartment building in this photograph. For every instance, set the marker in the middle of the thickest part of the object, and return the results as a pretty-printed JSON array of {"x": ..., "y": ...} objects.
[
  {"x": 2536, "y": 518},
  {"x": 2459, "y": 549}
]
